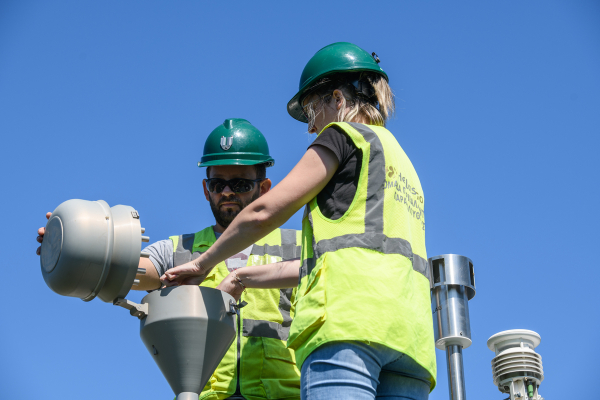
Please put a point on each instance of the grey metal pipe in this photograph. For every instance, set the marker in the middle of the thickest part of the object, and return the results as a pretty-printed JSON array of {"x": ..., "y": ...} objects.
[
  {"x": 456, "y": 373},
  {"x": 187, "y": 396}
]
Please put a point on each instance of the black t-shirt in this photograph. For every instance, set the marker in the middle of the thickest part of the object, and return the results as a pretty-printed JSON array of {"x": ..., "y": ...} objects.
[{"x": 336, "y": 197}]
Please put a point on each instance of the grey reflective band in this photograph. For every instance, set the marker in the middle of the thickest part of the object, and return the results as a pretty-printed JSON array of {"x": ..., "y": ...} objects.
[
  {"x": 373, "y": 238},
  {"x": 288, "y": 236},
  {"x": 373, "y": 241},
  {"x": 285, "y": 304},
  {"x": 183, "y": 254},
  {"x": 421, "y": 266},
  {"x": 287, "y": 250},
  {"x": 306, "y": 268},
  {"x": 375, "y": 181},
  {"x": 268, "y": 329}
]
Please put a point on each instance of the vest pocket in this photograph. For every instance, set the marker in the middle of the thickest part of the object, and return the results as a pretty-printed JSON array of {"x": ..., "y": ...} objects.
[
  {"x": 310, "y": 312},
  {"x": 279, "y": 376}
]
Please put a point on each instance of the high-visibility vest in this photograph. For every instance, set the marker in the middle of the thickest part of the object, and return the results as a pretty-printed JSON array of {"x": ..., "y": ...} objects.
[
  {"x": 259, "y": 356},
  {"x": 364, "y": 276}
]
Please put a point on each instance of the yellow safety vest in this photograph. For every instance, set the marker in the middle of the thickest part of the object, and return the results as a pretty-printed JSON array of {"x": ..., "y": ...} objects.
[
  {"x": 364, "y": 276},
  {"x": 266, "y": 367}
]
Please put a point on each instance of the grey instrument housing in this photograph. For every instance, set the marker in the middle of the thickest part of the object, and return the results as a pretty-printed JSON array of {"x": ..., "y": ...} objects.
[
  {"x": 187, "y": 330},
  {"x": 91, "y": 249}
]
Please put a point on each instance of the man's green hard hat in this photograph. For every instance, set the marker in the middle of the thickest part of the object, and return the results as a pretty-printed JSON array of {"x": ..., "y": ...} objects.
[
  {"x": 335, "y": 58},
  {"x": 236, "y": 142}
]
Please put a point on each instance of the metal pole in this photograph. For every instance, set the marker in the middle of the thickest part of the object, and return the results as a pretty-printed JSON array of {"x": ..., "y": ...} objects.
[{"x": 456, "y": 373}]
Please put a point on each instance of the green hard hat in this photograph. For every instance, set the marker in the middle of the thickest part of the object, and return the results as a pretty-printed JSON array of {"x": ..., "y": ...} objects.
[
  {"x": 236, "y": 142},
  {"x": 337, "y": 57}
]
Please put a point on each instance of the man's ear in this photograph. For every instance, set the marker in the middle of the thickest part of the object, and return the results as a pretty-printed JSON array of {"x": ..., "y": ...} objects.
[
  {"x": 265, "y": 186},
  {"x": 206, "y": 192}
]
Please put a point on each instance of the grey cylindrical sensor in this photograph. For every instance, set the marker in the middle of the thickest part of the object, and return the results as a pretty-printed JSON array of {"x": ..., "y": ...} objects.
[
  {"x": 90, "y": 250},
  {"x": 453, "y": 285}
]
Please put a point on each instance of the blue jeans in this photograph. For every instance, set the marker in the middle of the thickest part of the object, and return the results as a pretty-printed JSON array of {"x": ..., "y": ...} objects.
[{"x": 357, "y": 370}]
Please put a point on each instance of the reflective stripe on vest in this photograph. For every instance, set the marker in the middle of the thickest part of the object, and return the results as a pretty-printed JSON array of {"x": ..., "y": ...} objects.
[
  {"x": 183, "y": 253},
  {"x": 287, "y": 250},
  {"x": 373, "y": 238}
]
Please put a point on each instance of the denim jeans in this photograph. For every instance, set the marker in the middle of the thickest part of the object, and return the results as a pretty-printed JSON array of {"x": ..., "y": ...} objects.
[{"x": 356, "y": 370}]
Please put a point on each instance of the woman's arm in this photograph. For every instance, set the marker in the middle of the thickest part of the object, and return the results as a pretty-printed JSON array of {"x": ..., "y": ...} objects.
[
  {"x": 263, "y": 215},
  {"x": 271, "y": 276}
]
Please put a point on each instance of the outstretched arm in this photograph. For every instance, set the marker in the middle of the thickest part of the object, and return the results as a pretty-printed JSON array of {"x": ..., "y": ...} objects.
[
  {"x": 263, "y": 215},
  {"x": 271, "y": 276}
]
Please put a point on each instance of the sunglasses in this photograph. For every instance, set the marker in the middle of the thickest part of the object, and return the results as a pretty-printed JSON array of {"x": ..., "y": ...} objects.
[{"x": 237, "y": 185}]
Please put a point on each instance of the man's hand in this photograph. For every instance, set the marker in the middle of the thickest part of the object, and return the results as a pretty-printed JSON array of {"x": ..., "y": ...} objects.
[
  {"x": 231, "y": 286},
  {"x": 40, "y": 237},
  {"x": 191, "y": 273}
]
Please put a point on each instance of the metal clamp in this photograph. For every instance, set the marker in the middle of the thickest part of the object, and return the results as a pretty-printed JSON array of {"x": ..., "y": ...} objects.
[
  {"x": 234, "y": 308},
  {"x": 135, "y": 309}
]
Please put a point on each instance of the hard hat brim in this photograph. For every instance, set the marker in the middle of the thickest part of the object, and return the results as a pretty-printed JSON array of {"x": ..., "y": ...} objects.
[
  {"x": 295, "y": 108},
  {"x": 210, "y": 160}
]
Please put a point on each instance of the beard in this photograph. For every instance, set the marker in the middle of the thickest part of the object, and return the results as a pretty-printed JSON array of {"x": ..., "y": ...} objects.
[{"x": 224, "y": 216}]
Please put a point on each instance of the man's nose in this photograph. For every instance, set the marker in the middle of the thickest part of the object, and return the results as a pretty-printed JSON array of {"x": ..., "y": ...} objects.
[{"x": 227, "y": 190}]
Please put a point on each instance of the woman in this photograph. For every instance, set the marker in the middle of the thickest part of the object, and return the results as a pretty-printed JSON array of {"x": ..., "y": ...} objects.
[{"x": 362, "y": 326}]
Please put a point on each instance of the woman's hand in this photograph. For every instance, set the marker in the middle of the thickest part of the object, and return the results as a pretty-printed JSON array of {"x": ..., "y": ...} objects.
[
  {"x": 231, "y": 286},
  {"x": 192, "y": 273}
]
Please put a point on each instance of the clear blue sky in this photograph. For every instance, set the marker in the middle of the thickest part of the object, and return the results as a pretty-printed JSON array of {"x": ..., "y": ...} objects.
[{"x": 498, "y": 108}]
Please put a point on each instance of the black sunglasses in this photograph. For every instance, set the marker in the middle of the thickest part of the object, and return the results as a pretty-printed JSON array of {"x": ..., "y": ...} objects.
[{"x": 237, "y": 185}]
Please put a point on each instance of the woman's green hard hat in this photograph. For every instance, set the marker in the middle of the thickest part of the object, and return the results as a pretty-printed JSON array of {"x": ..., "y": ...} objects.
[
  {"x": 337, "y": 57},
  {"x": 236, "y": 142}
]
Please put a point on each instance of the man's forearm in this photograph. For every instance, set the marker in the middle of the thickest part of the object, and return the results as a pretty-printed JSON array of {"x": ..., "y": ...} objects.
[{"x": 150, "y": 280}]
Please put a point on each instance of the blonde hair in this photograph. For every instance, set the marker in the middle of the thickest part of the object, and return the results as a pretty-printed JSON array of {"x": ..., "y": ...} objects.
[{"x": 366, "y": 96}]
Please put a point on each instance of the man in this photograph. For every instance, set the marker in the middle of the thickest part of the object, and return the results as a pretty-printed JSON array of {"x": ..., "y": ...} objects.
[{"x": 257, "y": 365}]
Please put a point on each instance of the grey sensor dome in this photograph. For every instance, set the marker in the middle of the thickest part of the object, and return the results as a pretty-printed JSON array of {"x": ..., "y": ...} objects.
[{"x": 91, "y": 249}]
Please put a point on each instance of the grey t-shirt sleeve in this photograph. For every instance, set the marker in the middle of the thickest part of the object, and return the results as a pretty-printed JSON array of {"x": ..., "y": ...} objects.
[{"x": 161, "y": 255}]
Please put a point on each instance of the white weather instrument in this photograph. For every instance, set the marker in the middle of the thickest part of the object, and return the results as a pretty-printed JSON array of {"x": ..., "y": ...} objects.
[{"x": 517, "y": 368}]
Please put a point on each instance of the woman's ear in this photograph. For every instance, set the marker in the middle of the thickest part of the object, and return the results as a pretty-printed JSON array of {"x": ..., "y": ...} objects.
[{"x": 339, "y": 98}]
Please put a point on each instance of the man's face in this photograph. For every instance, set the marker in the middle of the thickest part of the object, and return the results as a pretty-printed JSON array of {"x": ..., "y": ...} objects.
[{"x": 228, "y": 204}]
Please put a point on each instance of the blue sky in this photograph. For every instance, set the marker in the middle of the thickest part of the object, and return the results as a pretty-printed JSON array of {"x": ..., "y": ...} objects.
[{"x": 498, "y": 108}]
